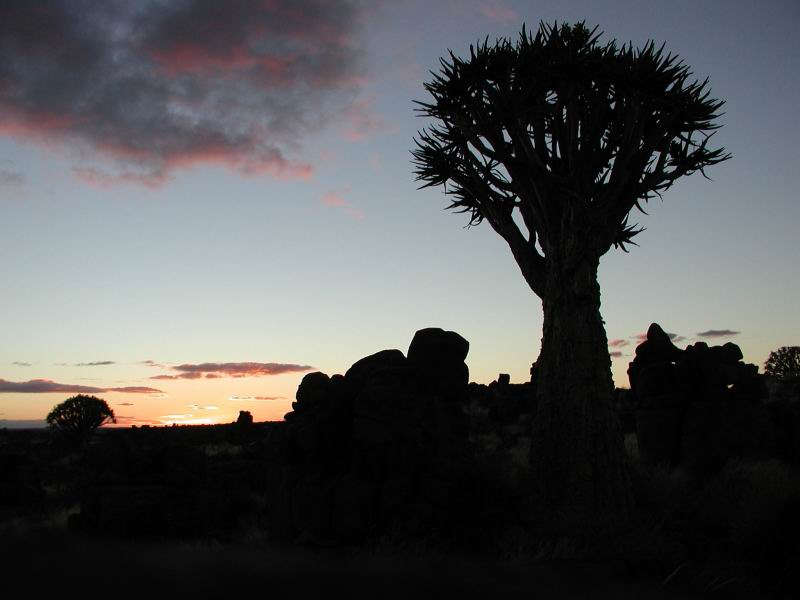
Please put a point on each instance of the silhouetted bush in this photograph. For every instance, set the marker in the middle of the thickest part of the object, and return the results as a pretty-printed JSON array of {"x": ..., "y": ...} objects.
[
  {"x": 784, "y": 363},
  {"x": 77, "y": 418}
]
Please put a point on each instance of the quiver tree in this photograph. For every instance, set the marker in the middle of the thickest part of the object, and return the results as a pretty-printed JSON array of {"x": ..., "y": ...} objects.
[
  {"x": 76, "y": 419},
  {"x": 554, "y": 140}
]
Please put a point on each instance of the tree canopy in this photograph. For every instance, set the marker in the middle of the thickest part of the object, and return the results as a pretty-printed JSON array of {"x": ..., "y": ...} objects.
[
  {"x": 78, "y": 417},
  {"x": 784, "y": 363},
  {"x": 571, "y": 132}
]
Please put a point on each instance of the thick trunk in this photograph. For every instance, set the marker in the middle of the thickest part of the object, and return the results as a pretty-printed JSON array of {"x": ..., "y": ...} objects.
[{"x": 578, "y": 451}]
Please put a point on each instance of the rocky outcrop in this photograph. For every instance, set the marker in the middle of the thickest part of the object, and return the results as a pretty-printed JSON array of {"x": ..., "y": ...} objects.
[
  {"x": 697, "y": 407},
  {"x": 379, "y": 447}
]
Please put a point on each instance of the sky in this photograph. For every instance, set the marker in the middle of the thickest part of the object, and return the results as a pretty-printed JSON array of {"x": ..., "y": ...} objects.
[{"x": 200, "y": 202}]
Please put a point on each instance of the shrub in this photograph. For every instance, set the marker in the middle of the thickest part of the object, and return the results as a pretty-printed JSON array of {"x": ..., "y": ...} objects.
[{"x": 784, "y": 363}]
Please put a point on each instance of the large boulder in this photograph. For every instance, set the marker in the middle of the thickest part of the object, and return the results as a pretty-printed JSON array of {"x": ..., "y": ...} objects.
[
  {"x": 313, "y": 391},
  {"x": 362, "y": 370},
  {"x": 435, "y": 344},
  {"x": 438, "y": 356}
]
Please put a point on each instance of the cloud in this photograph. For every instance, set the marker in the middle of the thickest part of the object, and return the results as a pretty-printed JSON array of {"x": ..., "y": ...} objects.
[
  {"x": 618, "y": 343},
  {"x": 45, "y": 386},
  {"x": 151, "y": 363},
  {"x": 124, "y": 403},
  {"x": 240, "y": 369},
  {"x": 335, "y": 199},
  {"x": 615, "y": 353},
  {"x": 198, "y": 407},
  {"x": 98, "y": 363},
  {"x": 495, "y": 10},
  {"x": 257, "y": 398},
  {"x": 360, "y": 120},
  {"x": 714, "y": 333},
  {"x": 155, "y": 86},
  {"x": 20, "y": 363},
  {"x": 135, "y": 389},
  {"x": 641, "y": 337}
]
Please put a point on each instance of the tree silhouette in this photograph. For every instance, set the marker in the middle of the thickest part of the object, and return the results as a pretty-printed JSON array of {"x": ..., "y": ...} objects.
[
  {"x": 76, "y": 418},
  {"x": 784, "y": 363},
  {"x": 554, "y": 140}
]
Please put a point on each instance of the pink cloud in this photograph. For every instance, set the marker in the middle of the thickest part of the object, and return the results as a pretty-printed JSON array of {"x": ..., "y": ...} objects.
[
  {"x": 240, "y": 369},
  {"x": 334, "y": 199},
  {"x": 497, "y": 11},
  {"x": 235, "y": 84},
  {"x": 618, "y": 343},
  {"x": 360, "y": 120}
]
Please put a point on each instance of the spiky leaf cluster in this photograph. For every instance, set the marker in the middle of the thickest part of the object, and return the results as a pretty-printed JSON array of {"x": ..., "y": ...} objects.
[{"x": 571, "y": 132}]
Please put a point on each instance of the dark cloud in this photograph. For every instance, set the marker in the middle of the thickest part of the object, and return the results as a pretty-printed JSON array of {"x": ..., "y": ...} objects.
[
  {"x": 124, "y": 403},
  {"x": 20, "y": 363},
  {"x": 713, "y": 333},
  {"x": 674, "y": 337},
  {"x": 618, "y": 343},
  {"x": 98, "y": 363},
  {"x": 615, "y": 354},
  {"x": 151, "y": 363},
  {"x": 156, "y": 86},
  {"x": 45, "y": 386}
]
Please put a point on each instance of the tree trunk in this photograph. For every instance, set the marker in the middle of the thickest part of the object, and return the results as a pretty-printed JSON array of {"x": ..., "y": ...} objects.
[{"x": 577, "y": 451}]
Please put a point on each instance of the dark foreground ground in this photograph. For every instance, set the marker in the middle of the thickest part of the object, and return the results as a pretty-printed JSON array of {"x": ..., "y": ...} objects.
[
  {"x": 50, "y": 564},
  {"x": 189, "y": 511}
]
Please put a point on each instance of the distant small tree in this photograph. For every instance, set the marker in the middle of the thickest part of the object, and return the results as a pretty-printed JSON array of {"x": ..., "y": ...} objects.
[
  {"x": 78, "y": 417},
  {"x": 784, "y": 363}
]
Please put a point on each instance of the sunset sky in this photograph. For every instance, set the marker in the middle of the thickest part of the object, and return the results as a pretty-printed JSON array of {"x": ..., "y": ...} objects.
[{"x": 201, "y": 201}]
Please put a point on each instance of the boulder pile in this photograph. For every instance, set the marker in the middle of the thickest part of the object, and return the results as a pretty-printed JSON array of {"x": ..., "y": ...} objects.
[
  {"x": 379, "y": 447},
  {"x": 698, "y": 407}
]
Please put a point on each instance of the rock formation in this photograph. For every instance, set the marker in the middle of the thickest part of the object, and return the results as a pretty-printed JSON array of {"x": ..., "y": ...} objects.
[
  {"x": 379, "y": 446},
  {"x": 697, "y": 407}
]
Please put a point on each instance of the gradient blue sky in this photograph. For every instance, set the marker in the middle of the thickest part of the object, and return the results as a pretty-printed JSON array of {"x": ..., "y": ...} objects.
[{"x": 333, "y": 254}]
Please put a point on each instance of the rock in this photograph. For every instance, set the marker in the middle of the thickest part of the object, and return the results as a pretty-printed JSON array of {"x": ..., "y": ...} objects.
[
  {"x": 699, "y": 407},
  {"x": 438, "y": 356},
  {"x": 363, "y": 369},
  {"x": 733, "y": 354},
  {"x": 353, "y": 508},
  {"x": 434, "y": 345},
  {"x": 657, "y": 347},
  {"x": 313, "y": 391},
  {"x": 658, "y": 430},
  {"x": 654, "y": 381}
]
